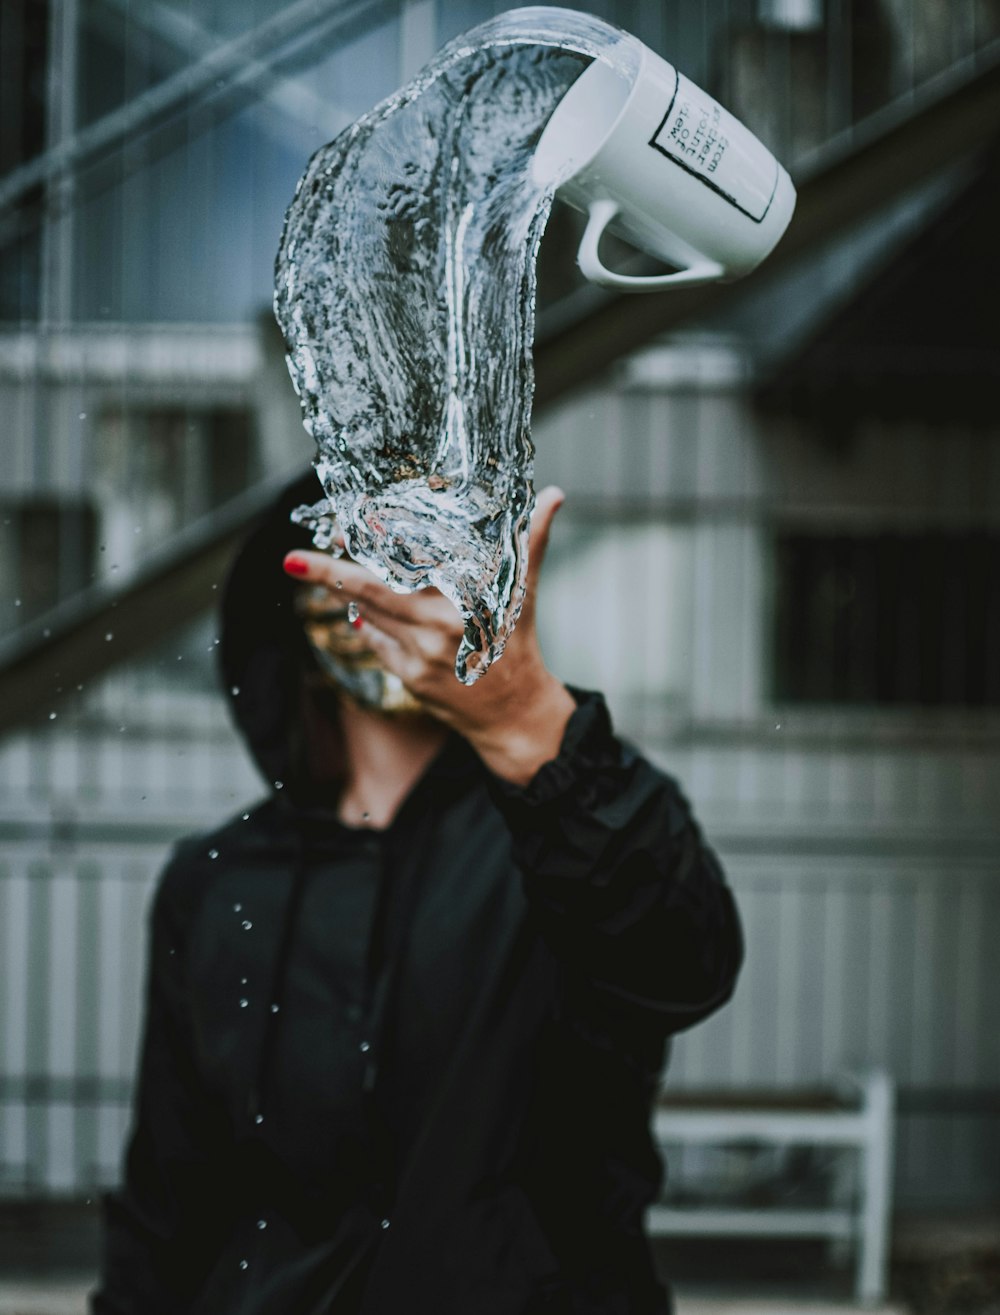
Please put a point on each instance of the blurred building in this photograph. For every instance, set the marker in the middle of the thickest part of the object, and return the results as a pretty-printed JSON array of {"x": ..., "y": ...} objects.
[{"x": 779, "y": 556}]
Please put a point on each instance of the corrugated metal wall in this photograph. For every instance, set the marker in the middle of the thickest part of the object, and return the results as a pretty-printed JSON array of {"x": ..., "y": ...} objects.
[
  {"x": 88, "y": 814},
  {"x": 862, "y": 841}
]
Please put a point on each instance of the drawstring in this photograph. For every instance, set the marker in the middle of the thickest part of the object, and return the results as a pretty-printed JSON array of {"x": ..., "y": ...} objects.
[
  {"x": 405, "y": 862},
  {"x": 279, "y": 977}
]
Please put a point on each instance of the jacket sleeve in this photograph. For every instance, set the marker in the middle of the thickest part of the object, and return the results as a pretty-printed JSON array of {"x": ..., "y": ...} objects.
[
  {"x": 159, "y": 1229},
  {"x": 630, "y": 895}
]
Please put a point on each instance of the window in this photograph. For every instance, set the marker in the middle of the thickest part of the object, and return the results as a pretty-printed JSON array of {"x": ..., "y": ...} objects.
[
  {"x": 888, "y": 618},
  {"x": 160, "y": 467},
  {"x": 46, "y": 553},
  {"x": 23, "y": 45}
]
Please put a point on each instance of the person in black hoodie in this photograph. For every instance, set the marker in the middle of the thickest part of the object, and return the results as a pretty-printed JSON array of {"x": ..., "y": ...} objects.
[{"x": 406, "y": 1019}]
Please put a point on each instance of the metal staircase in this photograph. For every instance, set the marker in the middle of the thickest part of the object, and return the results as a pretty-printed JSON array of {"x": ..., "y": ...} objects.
[{"x": 938, "y": 121}]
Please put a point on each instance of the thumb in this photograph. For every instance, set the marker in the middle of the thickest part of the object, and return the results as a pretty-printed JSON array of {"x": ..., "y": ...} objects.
[{"x": 547, "y": 504}]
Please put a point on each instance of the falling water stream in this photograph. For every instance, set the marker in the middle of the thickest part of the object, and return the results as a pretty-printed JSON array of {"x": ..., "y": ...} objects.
[{"x": 405, "y": 289}]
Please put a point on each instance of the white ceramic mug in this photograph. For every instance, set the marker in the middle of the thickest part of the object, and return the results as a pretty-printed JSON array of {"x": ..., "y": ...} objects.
[{"x": 658, "y": 161}]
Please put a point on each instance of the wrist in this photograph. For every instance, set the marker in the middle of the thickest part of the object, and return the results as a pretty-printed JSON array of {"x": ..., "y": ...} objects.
[{"x": 529, "y": 735}]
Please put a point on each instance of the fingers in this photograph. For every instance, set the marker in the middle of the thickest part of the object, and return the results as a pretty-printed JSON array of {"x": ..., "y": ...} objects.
[
  {"x": 548, "y": 502},
  {"x": 421, "y": 660},
  {"x": 386, "y": 648},
  {"x": 393, "y": 612},
  {"x": 356, "y": 583},
  {"x": 359, "y": 583},
  {"x": 423, "y": 626},
  {"x": 433, "y": 639},
  {"x": 338, "y": 573}
]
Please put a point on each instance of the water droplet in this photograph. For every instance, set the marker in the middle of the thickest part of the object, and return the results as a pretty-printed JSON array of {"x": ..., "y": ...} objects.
[
  {"x": 258, "y": 1119},
  {"x": 261, "y": 1224},
  {"x": 244, "y": 1264},
  {"x": 237, "y": 908},
  {"x": 79, "y": 687},
  {"x": 279, "y": 785},
  {"x": 403, "y": 451},
  {"x": 243, "y": 1002},
  {"x": 234, "y": 690},
  {"x": 46, "y": 633},
  {"x": 385, "y": 1223},
  {"x": 364, "y": 1047},
  {"x": 17, "y": 602},
  {"x": 109, "y": 636},
  {"x": 213, "y": 853},
  {"x": 339, "y": 584},
  {"x": 82, "y": 415},
  {"x": 777, "y": 725},
  {"x": 120, "y": 729},
  {"x": 244, "y": 980},
  {"x": 246, "y": 817},
  {"x": 353, "y": 612},
  {"x": 247, "y": 924},
  {"x": 180, "y": 657},
  {"x": 275, "y": 1008},
  {"x": 52, "y": 716},
  {"x": 216, "y": 641}
]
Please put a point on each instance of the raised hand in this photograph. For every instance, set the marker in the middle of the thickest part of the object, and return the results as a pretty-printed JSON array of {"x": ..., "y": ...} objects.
[{"x": 516, "y": 713}]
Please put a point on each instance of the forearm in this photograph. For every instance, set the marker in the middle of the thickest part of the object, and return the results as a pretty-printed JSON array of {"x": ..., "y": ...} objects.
[{"x": 627, "y": 890}]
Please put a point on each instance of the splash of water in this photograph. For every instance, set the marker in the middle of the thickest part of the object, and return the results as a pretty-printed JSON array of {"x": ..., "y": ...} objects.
[{"x": 405, "y": 289}]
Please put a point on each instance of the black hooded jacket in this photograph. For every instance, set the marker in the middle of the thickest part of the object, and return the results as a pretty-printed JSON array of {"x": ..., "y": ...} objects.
[{"x": 410, "y": 1070}]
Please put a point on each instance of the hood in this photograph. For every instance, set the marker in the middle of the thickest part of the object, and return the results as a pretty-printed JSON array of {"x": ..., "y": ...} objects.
[{"x": 266, "y": 668}]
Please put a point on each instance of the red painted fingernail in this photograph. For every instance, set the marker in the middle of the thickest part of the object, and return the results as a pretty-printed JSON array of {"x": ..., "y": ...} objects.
[
  {"x": 295, "y": 565},
  {"x": 358, "y": 622}
]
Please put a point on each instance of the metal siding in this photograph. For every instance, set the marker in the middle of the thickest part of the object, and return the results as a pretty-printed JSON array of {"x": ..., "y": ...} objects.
[{"x": 870, "y": 898}]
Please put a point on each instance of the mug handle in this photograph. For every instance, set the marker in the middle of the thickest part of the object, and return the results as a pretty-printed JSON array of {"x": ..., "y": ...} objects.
[{"x": 601, "y": 214}]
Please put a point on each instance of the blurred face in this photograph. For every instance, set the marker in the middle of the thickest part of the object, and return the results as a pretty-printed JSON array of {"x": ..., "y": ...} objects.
[{"x": 343, "y": 656}]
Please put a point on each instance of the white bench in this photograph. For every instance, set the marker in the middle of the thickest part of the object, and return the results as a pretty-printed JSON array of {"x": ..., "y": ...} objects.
[{"x": 855, "y": 1113}]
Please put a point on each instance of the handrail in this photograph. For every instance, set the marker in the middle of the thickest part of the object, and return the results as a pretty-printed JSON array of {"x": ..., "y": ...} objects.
[
  {"x": 233, "y": 63},
  {"x": 104, "y": 625},
  {"x": 843, "y": 188}
]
